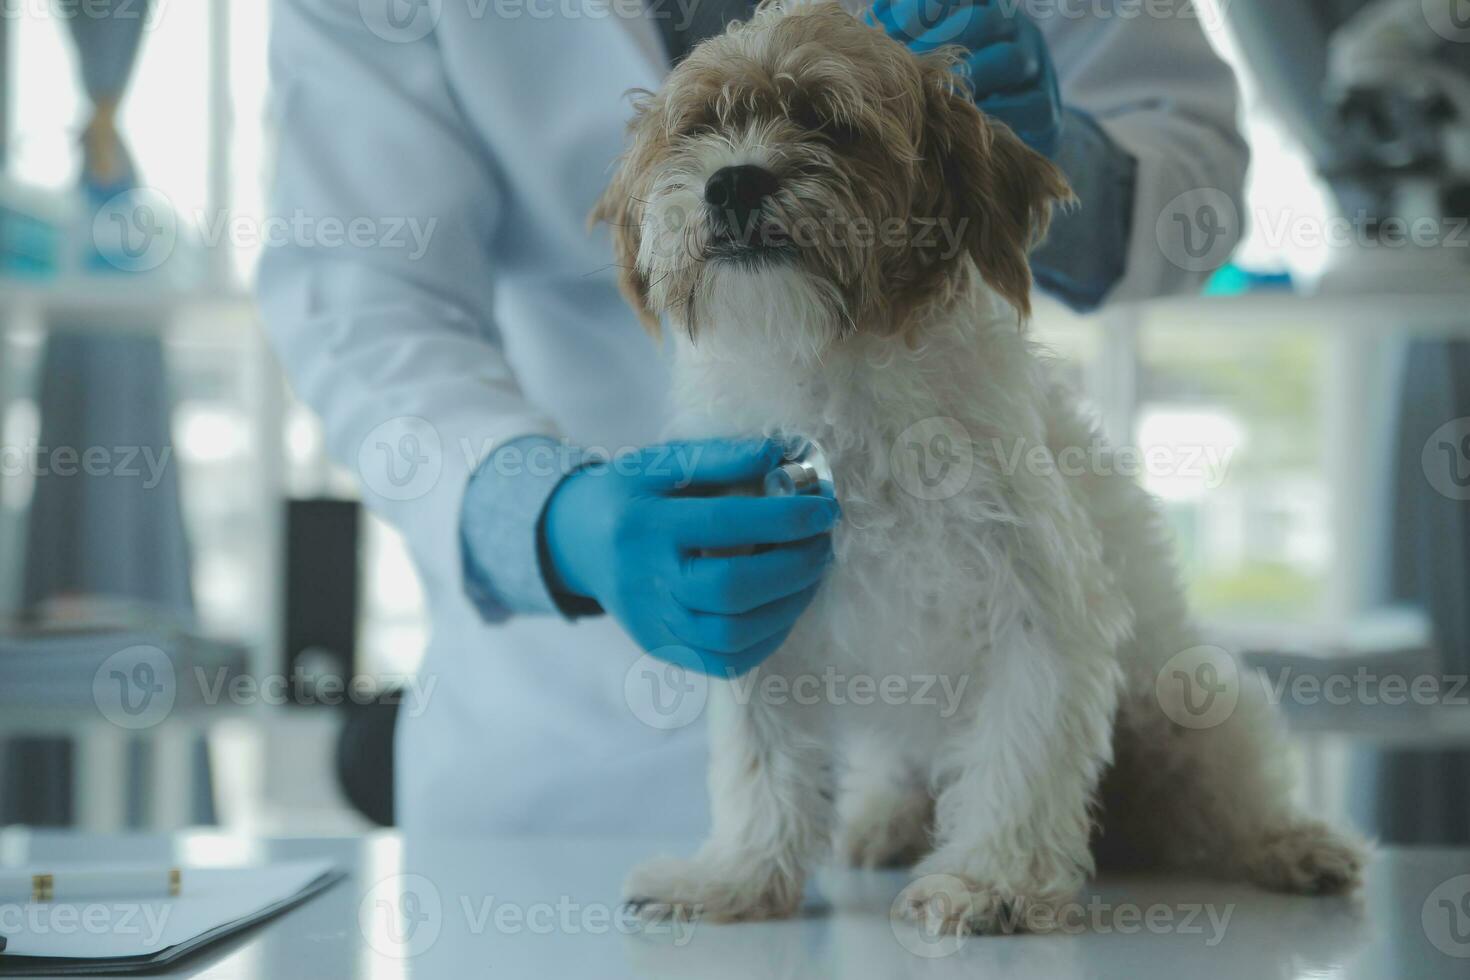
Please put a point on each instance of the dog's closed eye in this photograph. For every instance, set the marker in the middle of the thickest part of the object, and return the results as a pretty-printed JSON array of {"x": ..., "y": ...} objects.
[
  {"x": 839, "y": 131},
  {"x": 835, "y": 127}
]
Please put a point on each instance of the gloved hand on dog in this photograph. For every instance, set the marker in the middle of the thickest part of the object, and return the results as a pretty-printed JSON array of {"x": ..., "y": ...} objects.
[
  {"x": 635, "y": 537},
  {"x": 1009, "y": 64}
]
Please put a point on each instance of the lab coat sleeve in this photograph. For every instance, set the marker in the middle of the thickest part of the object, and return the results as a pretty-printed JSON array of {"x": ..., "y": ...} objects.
[
  {"x": 505, "y": 557},
  {"x": 1147, "y": 76},
  {"x": 1085, "y": 254},
  {"x": 392, "y": 342}
]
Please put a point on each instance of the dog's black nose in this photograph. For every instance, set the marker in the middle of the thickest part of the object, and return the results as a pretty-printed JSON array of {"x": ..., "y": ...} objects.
[{"x": 736, "y": 193}]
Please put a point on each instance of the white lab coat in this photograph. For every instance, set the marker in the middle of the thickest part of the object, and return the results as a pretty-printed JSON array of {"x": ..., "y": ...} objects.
[{"x": 502, "y": 129}]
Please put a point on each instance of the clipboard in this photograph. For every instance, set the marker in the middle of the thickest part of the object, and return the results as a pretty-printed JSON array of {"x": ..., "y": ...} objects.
[{"x": 215, "y": 903}]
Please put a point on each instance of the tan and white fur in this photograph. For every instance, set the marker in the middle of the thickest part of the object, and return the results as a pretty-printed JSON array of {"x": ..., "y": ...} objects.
[{"x": 1052, "y": 596}]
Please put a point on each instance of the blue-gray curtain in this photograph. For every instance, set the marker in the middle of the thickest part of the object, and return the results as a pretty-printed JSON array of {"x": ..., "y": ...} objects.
[
  {"x": 1422, "y": 796},
  {"x": 110, "y": 532}
]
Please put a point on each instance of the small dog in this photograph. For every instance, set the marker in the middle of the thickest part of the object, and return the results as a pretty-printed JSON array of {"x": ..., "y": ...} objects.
[{"x": 840, "y": 239}]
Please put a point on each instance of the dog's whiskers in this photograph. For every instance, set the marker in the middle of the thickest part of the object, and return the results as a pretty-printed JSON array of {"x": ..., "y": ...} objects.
[{"x": 604, "y": 268}]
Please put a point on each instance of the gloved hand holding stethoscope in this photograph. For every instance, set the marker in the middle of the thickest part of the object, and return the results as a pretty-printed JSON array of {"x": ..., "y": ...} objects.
[{"x": 638, "y": 540}]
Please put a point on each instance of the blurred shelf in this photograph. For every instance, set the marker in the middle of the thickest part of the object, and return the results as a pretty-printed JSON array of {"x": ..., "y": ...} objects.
[
  {"x": 120, "y": 304},
  {"x": 1388, "y": 634},
  {"x": 1444, "y": 314},
  {"x": 1409, "y": 727}
]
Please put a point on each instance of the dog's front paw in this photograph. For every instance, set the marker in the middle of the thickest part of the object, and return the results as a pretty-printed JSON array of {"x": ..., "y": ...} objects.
[
  {"x": 717, "y": 890},
  {"x": 1307, "y": 858},
  {"x": 957, "y": 905}
]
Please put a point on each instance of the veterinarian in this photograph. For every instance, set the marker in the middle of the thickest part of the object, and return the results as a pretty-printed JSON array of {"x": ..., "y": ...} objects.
[{"x": 469, "y": 386}]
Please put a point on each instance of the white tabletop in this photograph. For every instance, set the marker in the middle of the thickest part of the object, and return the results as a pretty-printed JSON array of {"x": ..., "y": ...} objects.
[{"x": 549, "y": 908}]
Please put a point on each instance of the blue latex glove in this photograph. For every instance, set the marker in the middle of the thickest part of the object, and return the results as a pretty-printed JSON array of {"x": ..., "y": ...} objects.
[
  {"x": 1009, "y": 64},
  {"x": 633, "y": 536}
]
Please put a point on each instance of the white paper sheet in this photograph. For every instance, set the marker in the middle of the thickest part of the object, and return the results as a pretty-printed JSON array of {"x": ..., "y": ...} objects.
[{"x": 119, "y": 927}]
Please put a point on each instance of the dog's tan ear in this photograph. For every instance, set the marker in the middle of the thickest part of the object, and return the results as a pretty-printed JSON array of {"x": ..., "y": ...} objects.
[
  {"x": 621, "y": 208},
  {"x": 1001, "y": 189}
]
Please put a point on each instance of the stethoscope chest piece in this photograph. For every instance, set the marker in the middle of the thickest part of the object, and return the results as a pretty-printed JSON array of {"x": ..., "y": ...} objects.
[{"x": 804, "y": 471}]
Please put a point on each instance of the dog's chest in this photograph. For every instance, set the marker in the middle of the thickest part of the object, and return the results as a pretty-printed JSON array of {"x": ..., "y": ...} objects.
[
  {"x": 917, "y": 554},
  {"x": 911, "y": 581}
]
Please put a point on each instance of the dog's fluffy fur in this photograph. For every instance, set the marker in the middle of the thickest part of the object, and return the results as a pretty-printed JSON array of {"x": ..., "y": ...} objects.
[{"x": 1053, "y": 596}]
